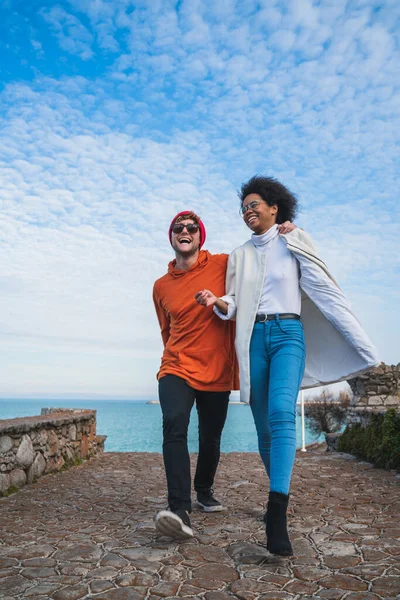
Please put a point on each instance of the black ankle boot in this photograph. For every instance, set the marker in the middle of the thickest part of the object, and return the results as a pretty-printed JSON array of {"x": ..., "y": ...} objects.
[{"x": 275, "y": 525}]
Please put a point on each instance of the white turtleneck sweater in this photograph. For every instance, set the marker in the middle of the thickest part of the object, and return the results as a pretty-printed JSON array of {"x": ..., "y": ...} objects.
[{"x": 281, "y": 292}]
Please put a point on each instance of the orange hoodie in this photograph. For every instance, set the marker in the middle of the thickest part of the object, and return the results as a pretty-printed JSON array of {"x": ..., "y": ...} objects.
[{"x": 198, "y": 346}]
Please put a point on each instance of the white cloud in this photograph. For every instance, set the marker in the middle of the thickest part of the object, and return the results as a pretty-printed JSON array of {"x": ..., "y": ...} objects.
[
  {"x": 72, "y": 35},
  {"x": 101, "y": 15},
  {"x": 303, "y": 13},
  {"x": 282, "y": 39},
  {"x": 85, "y": 223},
  {"x": 186, "y": 105}
]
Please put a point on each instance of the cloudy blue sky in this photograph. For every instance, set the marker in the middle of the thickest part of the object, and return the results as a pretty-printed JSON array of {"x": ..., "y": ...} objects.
[{"x": 117, "y": 114}]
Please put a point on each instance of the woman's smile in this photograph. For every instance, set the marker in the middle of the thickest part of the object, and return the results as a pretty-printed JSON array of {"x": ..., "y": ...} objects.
[{"x": 251, "y": 218}]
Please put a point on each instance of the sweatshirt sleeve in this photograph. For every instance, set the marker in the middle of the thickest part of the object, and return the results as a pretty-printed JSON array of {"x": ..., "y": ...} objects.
[
  {"x": 161, "y": 316},
  {"x": 230, "y": 286}
]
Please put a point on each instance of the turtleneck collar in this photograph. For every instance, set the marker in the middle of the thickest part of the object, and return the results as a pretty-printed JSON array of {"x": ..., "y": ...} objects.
[{"x": 265, "y": 238}]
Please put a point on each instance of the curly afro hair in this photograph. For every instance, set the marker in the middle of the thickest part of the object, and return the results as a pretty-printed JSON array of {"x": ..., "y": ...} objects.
[{"x": 272, "y": 192}]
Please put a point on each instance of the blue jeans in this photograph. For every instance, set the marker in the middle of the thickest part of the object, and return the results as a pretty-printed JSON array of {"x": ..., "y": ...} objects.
[{"x": 277, "y": 357}]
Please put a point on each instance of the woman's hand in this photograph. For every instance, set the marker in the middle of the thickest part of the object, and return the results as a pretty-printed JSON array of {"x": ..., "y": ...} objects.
[
  {"x": 286, "y": 227},
  {"x": 206, "y": 298}
]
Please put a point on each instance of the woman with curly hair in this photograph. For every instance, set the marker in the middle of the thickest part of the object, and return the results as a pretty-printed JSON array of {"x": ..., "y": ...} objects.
[{"x": 284, "y": 301}]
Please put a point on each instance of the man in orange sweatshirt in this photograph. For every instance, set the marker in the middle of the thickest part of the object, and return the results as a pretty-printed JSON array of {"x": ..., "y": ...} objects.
[{"x": 198, "y": 364}]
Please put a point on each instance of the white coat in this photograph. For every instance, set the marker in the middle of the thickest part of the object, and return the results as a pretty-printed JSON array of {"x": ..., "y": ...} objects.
[{"x": 337, "y": 348}]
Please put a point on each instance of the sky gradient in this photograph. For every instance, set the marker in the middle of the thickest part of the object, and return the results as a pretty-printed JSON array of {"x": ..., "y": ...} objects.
[{"x": 117, "y": 115}]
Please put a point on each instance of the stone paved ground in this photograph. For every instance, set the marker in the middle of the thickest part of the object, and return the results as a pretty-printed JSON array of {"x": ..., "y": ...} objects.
[{"x": 89, "y": 533}]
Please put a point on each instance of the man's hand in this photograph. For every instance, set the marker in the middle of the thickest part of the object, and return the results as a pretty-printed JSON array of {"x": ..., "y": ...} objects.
[
  {"x": 206, "y": 298},
  {"x": 286, "y": 227}
]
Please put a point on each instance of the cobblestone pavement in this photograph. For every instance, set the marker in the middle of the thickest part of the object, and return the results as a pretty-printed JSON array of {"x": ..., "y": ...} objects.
[{"x": 89, "y": 533}]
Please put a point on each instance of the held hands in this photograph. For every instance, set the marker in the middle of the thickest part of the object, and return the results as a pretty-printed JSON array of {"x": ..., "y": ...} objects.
[
  {"x": 206, "y": 298},
  {"x": 286, "y": 227}
]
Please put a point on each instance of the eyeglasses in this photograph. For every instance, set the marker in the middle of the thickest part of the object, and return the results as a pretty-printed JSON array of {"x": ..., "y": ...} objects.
[
  {"x": 250, "y": 206},
  {"x": 190, "y": 228}
]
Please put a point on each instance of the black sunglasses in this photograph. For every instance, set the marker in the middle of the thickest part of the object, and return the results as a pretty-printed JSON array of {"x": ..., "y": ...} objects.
[{"x": 179, "y": 227}]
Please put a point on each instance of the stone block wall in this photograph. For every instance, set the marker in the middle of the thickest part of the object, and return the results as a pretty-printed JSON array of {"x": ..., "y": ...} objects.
[
  {"x": 33, "y": 446},
  {"x": 374, "y": 392},
  {"x": 377, "y": 390}
]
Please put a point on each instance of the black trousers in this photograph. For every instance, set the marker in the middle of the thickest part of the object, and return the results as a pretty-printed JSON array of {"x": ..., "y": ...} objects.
[{"x": 176, "y": 400}]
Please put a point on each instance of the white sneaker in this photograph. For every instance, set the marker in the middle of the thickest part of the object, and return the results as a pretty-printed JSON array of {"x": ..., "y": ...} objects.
[{"x": 175, "y": 525}]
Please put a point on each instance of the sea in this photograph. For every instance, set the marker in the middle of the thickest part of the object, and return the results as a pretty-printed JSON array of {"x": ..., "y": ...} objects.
[{"x": 135, "y": 426}]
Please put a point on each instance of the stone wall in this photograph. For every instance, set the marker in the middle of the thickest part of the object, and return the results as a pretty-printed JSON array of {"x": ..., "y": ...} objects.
[
  {"x": 33, "y": 446},
  {"x": 377, "y": 390}
]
